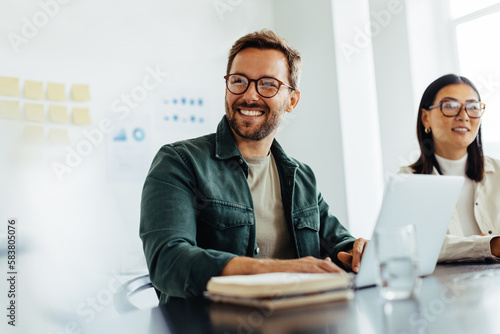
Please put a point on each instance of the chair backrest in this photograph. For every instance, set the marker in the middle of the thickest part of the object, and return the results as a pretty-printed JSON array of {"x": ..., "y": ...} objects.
[{"x": 122, "y": 297}]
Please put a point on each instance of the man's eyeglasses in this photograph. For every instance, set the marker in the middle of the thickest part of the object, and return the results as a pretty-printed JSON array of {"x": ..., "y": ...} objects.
[
  {"x": 266, "y": 87},
  {"x": 452, "y": 108}
]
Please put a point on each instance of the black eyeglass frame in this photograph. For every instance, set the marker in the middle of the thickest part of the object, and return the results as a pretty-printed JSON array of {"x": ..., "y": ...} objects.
[
  {"x": 462, "y": 105},
  {"x": 281, "y": 83}
]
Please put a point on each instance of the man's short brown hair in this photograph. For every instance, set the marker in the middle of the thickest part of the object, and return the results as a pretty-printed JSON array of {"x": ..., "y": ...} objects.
[{"x": 266, "y": 39}]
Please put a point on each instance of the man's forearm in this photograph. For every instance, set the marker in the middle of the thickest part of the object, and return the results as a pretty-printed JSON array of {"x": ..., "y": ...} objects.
[{"x": 241, "y": 265}]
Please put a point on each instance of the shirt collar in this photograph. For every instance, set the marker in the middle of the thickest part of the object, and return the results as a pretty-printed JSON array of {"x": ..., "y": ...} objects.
[
  {"x": 225, "y": 145},
  {"x": 488, "y": 166}
]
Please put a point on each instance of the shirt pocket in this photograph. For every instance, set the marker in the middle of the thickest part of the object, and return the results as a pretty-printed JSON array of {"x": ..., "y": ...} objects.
[
  {"x": 223, "y": 215},
  {"x": 307, "y": 226},
  {"x": 225, "y": 226},
  {"x": 307, "y": 218}
]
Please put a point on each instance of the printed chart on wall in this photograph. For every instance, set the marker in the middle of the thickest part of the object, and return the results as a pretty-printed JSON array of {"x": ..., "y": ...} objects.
[
  {"x": 129, "y": 147},
  {"x": 182, "y": 112}
]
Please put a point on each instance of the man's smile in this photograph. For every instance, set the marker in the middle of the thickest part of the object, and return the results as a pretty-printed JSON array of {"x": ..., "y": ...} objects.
[{"x": 251, "y": 112}]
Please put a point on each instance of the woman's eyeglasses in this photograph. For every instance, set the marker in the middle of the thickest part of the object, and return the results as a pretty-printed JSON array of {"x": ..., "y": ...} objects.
[{"x": 452, "y": 108}]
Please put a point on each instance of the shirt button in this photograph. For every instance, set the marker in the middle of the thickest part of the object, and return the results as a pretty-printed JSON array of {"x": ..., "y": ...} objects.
[
  {"x": 240, "y": 161},
  {"x": 490, "y": 232},
  {"x": 477, "y": 203},
  {"x": 257, "y": 250}
]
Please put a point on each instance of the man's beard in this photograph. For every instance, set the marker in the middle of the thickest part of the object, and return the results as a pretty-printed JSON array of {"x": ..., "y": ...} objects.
[{"x": 272, "y": 121}]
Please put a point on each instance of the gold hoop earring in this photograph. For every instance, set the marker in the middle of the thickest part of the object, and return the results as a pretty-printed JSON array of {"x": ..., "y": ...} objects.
[{"x": 427, "y": 130}]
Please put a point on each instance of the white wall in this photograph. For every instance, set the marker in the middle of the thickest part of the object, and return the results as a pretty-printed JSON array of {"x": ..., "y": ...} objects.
[
  {"x": 394, "y": 81},
  {"x": 359, "y": 114},
  {"x": 431, "y": 45},
  {"x": 313, "y": 132}
]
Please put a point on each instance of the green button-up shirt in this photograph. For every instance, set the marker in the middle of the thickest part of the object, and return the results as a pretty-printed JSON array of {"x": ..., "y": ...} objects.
[{"x": 197, "y": 212}]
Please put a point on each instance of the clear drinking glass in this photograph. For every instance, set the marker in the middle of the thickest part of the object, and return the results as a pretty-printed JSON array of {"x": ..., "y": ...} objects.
[{"x": 396, "y": 254}]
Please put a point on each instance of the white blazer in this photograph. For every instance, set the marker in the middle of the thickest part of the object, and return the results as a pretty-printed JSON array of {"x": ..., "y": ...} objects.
[{"x": 457, "y": 246}]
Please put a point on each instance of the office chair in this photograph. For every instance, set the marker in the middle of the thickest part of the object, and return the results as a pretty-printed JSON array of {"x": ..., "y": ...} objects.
[{"x": 122, "y": 298}]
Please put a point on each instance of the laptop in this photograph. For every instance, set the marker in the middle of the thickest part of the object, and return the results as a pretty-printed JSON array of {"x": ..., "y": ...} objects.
[{"x": 428, "y": 202}]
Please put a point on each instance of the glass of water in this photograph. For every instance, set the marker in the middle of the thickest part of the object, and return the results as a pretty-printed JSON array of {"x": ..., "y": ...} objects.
[{"x": 396, "y": 254}]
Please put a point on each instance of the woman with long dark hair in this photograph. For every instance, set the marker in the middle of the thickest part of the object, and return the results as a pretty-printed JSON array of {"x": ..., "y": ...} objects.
[{"x": 449, "y": 135}]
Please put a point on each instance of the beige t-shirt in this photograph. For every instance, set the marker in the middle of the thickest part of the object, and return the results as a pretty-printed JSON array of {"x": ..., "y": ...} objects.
[{"x": 273, "y": 238}]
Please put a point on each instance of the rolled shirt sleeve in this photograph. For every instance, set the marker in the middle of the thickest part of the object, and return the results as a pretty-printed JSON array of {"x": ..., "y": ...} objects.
[{"x": 472, "y": 248}]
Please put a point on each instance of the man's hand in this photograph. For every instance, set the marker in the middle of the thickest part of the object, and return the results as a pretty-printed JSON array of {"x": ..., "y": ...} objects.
[
  {"x": 308, "y": 264},
  {"x": 241, "y": 265},
  {"x": 352, "y": 258}
]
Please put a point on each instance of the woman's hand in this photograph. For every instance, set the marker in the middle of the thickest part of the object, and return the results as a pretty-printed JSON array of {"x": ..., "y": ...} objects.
[{"x": 495, "y": 246}]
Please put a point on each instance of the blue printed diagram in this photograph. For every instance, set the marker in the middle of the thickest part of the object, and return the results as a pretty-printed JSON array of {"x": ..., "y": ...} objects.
[
  {"x": 129, "y": 147},
  {"x": 181, "y": 109},
  {"x": 120, "y": 136},
  {"x": 138, "y": 134}
]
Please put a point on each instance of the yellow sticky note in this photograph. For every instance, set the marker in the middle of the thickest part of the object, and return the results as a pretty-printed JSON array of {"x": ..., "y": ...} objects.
[
  {"x": 55, "y": 92},
  {"x": 58, "y": 136},
  {"x": 34, "y": 112},
  {"x": 33, "y": 90},
  {"x": 10, "y": 109},
  {"x": 58, "y": 114},
  {"x": 34, "y": 134},
  {"x": 80, "y": 93},
  {"x": 81, "y": 116},
  {"x": 9, "y": 86}
]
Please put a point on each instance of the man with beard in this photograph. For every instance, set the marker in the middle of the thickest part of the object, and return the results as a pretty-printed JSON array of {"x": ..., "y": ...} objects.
[{"x": 233, "y": 202}]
